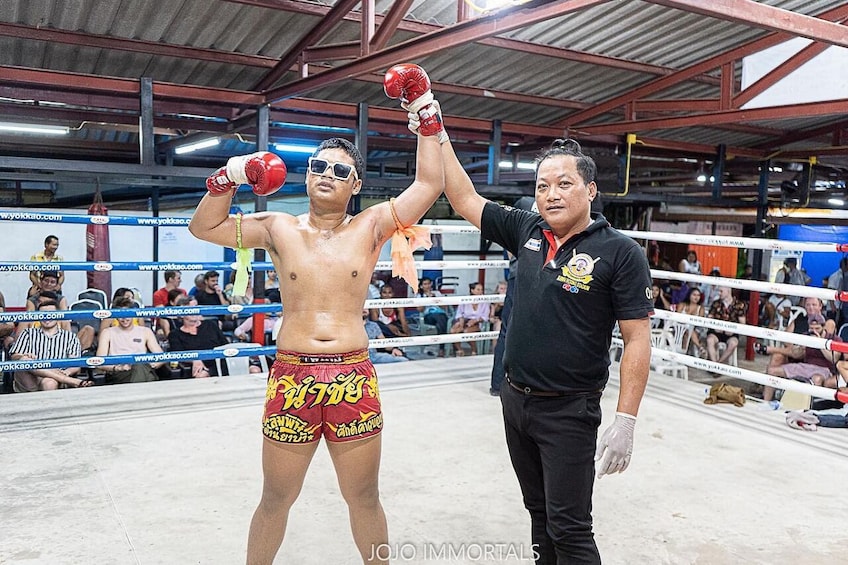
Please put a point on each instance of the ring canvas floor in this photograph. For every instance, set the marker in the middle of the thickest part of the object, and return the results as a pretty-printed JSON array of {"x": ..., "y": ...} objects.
[{"x": 169, "y": 473}]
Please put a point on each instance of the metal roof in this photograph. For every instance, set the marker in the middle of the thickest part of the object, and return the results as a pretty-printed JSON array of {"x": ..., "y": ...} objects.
[{"x": 668, "y": 71}]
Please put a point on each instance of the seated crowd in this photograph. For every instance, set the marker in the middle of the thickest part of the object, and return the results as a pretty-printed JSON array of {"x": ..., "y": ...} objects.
[
  {"x": 793, "y": 314},
  {"x": 134, "y": 335}
]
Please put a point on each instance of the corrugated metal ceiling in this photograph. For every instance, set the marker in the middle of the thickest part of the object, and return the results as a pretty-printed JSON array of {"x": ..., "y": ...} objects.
[{"x": 541, "y": 74}]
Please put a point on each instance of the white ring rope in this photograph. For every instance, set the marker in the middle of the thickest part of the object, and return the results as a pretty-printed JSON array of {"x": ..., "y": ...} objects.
[
  {"x": 716, "y": 240},
  {"x": 745, "y": 374},
  {"x": 745, "y": 284},
  {"x": 433, "y": 300},
  {"x": 433, "y": 339},
  {"x": 440, "y": 265},
  {"x": 743, "y": 242},
  {"x": 754, "y": 331}
]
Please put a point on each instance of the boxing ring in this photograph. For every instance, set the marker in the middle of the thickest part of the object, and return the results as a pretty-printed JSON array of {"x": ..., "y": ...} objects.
[{"x": 169, "y": 472}]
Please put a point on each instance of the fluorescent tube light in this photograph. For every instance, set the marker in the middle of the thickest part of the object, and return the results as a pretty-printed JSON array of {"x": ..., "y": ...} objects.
[
  {"x": 32, "y": 128},
  {"x": 519, "y": 165},
  {"x": 189, "y": 147},
  {"x": 291, "y": 148}
]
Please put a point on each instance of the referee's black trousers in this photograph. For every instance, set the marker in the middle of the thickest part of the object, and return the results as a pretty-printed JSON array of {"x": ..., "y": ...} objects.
[{"x": 551, "y": 442}]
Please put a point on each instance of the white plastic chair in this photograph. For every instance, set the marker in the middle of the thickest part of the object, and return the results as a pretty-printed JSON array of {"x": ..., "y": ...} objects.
[
  {"x": 96, "y": 295},
  {"x": 238, "y": 365},
  {"x": 665, "y": 339}
]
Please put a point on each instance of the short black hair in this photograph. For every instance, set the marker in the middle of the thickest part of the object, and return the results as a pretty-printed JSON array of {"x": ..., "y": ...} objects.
[
  {"x": 210, "y": 275},
  {"x": 585, "y": 165},
  {"x": 48, "y": 294},
  {"x": 47, "y": 303},
  {"x": 122, "y": 302},
  {"x": 50, "y": 273},
  {"x": 347, "y": 147}
]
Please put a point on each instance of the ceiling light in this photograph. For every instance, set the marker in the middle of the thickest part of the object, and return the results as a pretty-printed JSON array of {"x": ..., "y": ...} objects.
[
  {"x": 31, "y": 128},
  {"x": 189, "y": 147},
  {"x": 291, "y": 148},
  {"x": 519, "y": 166}
]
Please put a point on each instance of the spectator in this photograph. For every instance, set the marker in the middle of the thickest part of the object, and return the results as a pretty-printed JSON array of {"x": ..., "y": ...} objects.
[
  {"x": 246, "y": 298},
  {"x": 692, "y": 307},
  {"x": 788, "y": 352},
  {"x": 679, "y": 292},
  {"x": 119, "y": 295},
  {"x": 789, "y": 274},
  {"x": 47, "y": 341},
  {"x": 728, "y": 309},
  {"x": 376, "y": 284},
  {"x": 244, "y": 330},
  {"x": 51, "y": 245},
  {"x": 496, "y": 309},
  {"x": 747, "y": 275},
  {"x": 48, "y": 289},
  {"x": 128, "y": 339},
  {"x": 660, "y": 299},
  {"x": 48, "y": 281},
  {"x": 818, "y": 366},
  {"x": 690, "y": 264},
  {"x": 383, "y": 355},
  {"x": 6, "y": 328},
  {"x": 194, "y": 334},
  {"x": 527, "y": 203},
  {"x": 839, "y": 281},
  {"x": 711, "y": 290},
  {"x": 392, "y": 321},
  {"x": 272, "y": 281},
  {"x": 776, "y": 307},
  {"x": 468, "y": 318},
  {"x": 433, "y": 315},
  {"x": 167, "y": 324},
  {"x": 199, "y": 285},
  {"x": 213, "y": 295},
  {"x": 172, "y": 282}
]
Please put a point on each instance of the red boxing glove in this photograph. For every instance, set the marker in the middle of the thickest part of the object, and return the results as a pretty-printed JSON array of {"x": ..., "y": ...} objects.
[
  {"x": 219, "y": 184},
  {"x": 265, "y": 172},
  {"x": 410, "y": 83},
  {"x": 428, "y": 121}
]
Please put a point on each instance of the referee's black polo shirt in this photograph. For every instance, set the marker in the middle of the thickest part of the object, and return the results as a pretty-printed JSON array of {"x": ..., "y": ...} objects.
[{"x": 559, "y": 332}]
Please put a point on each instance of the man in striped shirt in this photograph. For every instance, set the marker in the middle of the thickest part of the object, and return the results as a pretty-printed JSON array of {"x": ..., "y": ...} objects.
[{"x": 48, "y": 341}]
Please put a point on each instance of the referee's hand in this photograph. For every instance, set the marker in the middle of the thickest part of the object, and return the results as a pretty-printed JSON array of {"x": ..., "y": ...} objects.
[{"x": 616, "y": 445}]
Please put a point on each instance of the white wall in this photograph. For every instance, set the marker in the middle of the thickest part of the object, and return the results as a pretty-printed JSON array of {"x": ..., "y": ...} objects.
[{"x": 127, "y": 243}]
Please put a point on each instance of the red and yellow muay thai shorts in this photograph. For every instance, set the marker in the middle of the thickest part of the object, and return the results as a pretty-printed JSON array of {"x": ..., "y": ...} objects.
[{"x": 310, "y": 395}]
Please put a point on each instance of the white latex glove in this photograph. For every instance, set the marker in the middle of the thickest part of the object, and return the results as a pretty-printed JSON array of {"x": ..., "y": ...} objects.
[
  {"x": 802, "y": 421},
  {"x": 616, "y": 445}
]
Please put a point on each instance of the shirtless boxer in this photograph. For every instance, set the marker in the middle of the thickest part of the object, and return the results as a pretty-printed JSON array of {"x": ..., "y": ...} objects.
[{"x": 322, "y": 382}]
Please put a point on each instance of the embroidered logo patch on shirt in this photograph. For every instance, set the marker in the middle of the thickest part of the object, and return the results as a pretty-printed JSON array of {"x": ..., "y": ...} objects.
[
  {"x": 577, "y": 273},
  {"x": 533, "y": 244}
]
